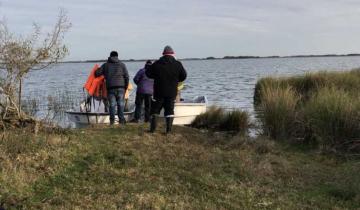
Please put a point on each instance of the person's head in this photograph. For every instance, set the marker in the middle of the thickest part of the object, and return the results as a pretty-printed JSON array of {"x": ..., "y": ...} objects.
[
  {"x": 148, "y": 63},
  {"x": 114, "y": 54},
  {"x": 168, "y": 51}
]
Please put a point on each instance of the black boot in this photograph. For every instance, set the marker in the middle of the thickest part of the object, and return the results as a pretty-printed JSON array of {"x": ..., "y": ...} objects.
[
  {"x": 152, "y": 124},
  {"x": 169, "y": 122}
]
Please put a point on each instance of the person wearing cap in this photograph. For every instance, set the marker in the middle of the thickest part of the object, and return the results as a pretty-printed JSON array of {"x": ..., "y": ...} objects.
[
  {"x": 144, "y": 93},
  {"x": 167, "y": 72},
  {"x": 117, "y": 81}
]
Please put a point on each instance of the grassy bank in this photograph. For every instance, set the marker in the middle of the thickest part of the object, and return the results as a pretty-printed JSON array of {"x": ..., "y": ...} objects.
[
  {"x": 127, "y": 168},
  {"x": 321, "y": 108}
]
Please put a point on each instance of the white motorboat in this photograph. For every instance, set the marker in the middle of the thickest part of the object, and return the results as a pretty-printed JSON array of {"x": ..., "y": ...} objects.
[
  {"x": 94, "y": 114},
  {"x": 184, "y": 113}
]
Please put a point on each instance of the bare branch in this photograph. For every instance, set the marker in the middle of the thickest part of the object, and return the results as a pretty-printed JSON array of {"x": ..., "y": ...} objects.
[{"x": 20, "y": 54}]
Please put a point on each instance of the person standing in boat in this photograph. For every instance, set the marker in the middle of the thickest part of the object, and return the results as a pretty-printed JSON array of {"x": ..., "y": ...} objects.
[
  {"x": 144, "y": 93},
  {"x": 117, "y": 81},
  {"x": 167, "y": 72}
]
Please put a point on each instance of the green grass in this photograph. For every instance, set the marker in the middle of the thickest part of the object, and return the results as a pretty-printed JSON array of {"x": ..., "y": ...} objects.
[
  {"x": 217, "y": 119},
  {"x": 127, "y": 168}
]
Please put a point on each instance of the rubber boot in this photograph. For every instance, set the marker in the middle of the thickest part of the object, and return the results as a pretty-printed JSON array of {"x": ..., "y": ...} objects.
[
  {"x": 169, "y": 122},
  {"x": 152, "y": 124}
]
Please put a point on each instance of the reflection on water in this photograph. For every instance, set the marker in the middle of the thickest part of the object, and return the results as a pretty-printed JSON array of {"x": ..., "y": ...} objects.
[{"x": 226, "y": 83}]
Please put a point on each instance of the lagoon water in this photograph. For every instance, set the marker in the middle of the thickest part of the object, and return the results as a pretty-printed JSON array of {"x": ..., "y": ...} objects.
[{"x": 226, "y": 83}]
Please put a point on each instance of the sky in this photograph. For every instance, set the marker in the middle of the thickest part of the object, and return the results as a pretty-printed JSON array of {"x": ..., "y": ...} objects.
[{"x": 195, "y": 28}]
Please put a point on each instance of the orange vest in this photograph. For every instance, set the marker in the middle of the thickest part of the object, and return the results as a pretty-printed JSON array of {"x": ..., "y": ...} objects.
[
  {"x": 96, "y": 85},
  {"x": 127, "y": 92}
]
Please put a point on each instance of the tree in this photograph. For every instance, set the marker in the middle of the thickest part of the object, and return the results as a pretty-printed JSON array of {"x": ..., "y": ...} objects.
[{"x": 19, "y": 55}]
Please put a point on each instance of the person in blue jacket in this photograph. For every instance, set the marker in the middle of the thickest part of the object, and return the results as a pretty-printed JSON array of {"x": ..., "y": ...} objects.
[
  {"x": 144, "y": 92},
  {"x": 117, "y": 81}
]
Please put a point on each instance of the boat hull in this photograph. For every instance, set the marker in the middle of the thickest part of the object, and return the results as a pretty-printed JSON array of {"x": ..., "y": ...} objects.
[
  {"x": 94, "y": 118},
  {"x": 184, "y": 113}
]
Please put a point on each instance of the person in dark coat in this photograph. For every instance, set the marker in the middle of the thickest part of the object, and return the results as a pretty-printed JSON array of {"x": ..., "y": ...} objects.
[
  {"x": 167, "y": 72},
  {"x": 117, "y": 81},
  {"x": 144, "y": 93}
]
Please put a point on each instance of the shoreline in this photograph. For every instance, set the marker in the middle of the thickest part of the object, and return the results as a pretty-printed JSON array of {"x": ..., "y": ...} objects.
[{"x": 224, "y": 58}]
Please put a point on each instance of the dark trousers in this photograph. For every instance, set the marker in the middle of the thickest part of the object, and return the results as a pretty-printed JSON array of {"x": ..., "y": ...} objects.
[
  {"x": 139, "y": 100},
  {"x": 166, "y": 102}
]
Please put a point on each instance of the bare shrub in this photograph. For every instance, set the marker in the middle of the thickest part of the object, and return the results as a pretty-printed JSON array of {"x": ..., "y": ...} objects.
[{"x": 20, "y": 54}]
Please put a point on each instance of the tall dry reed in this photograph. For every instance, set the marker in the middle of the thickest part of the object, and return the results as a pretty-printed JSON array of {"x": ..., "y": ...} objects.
[
  {"x": 322, "y": 106},
  {"x": 278, "y": 111},
  {"x": 333, "y": 116}
]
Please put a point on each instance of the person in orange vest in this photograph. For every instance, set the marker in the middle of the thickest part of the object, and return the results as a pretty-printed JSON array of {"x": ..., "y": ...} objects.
[
  {"x": 117, "y": 81},
  {"x": 96, "y": 88},
  {"x": 126, "y": 97}
]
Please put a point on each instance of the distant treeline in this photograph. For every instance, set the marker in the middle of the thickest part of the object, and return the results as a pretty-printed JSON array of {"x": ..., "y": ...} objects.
[
  {"x": 227, "y": 57},
  {"x": 325, "y": 55},
  {"x": 247, "y": 57},
  {"x": 291, "y": 56}
]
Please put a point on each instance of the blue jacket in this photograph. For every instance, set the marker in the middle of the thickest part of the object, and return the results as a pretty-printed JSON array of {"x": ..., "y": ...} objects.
[{"x": 144, "y": 84}]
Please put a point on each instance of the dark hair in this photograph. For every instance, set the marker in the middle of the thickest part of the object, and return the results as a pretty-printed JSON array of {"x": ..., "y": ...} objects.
[
  {"x": 148, "y": 62},
  {"x": 113, "y": 54}
]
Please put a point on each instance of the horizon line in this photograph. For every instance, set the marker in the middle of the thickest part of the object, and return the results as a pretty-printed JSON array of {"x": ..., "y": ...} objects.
[{"x": 220, "y": 58}]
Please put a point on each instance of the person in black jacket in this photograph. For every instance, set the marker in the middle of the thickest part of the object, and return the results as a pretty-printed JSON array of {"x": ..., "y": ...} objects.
[
  {"x": 167, "y": 72},
  {"x": 117, "y": 81}
]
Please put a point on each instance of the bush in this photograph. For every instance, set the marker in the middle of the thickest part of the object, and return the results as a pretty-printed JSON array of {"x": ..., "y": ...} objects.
[
  {"x": 333, "y": 116},
  {"x": 217, "y": 118},
  {"x": 237, "y": 121},
  {"x": 211, "y": 119},
  {"x": 278, "y": 111},
  {"x": 307, "y": 85},
  {"x": 321, "y": 108}
]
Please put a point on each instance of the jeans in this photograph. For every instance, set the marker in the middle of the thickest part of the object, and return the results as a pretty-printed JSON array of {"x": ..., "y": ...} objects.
[
  {"x": 140, "y": 98},
  {"x": 116, "y": 99}
]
